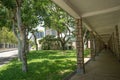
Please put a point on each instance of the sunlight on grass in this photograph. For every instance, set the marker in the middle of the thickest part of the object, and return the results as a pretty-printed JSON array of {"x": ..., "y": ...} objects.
[
  {"x": 64, "y": 71},
  {"x": 42, "y": 65}
]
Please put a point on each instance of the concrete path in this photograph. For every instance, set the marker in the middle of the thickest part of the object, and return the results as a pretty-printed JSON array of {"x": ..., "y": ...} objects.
[
  {"x": 5, "y": 57},
  {"x": 106, "y": 67},
  {"x": 7, "y": 49}
]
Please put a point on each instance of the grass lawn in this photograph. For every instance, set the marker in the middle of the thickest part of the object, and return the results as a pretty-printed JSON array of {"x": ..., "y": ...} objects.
[{"x": 42, "y": 65}]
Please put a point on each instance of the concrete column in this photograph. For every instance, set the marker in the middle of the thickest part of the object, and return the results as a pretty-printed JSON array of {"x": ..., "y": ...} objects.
[
  {"x": 79, "y": 47},
  {"x": 87, "y": 44},
  {"x": 114, "y": 43},
  {"x": 117, "y": 42},
  {"x": 111, "y": 44},
  {"x": 92, "y": 46},
  {"x": 100, "y": 45},
  {"x": 97, "y": 46}
]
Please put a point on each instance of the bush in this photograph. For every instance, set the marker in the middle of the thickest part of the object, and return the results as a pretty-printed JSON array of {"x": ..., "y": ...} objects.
[{"x": 50, "y": 43}]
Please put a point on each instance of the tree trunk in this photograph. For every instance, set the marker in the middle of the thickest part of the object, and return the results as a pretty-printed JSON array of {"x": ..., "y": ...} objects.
[
  {"x": 27, "y": 45},
  {"x": 35, "y": 39},
  {"x": 4, "y": 45},
  {"x": 19, "y": 49},
  {"x": 63, "y": 46},
  {"x": 17, "y": 34},
  {"x": 58, "y": 34},
  {"x": 24, "y": 57},
  {"x": 22, "y": 36}
]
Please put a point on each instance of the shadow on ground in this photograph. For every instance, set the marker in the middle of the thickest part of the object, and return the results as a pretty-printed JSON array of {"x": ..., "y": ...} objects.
[{"x": 43, "y": 65}]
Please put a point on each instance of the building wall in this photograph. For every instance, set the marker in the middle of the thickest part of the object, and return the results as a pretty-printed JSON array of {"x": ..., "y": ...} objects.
[
  {"x": 39, "y": 34},
  {"x": 50, "y": 32}
]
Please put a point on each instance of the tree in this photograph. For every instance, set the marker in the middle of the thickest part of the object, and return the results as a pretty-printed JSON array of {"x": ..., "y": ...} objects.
[
  {"x": 23, "y": 18},
  {"x": 61, "y": 22},
  {"x": 15, "y": 7},
  {"x": 35, "y": 38},
  {"x": 7, "y": 37}
]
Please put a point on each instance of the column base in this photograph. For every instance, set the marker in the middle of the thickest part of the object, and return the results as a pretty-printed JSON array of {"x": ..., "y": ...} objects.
[
  {"x": 80, "y": 71},
  {"x": 93, "y": 59},
  {"x": 119, "y": 60}
]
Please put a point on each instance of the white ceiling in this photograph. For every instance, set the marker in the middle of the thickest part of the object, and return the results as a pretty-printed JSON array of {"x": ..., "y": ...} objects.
[{"x": 101, "y": 15}]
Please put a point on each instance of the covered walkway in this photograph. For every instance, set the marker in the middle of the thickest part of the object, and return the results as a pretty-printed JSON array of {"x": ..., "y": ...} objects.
[
  {"x": 101, "y": 18},
  {"x": 106, "y": 67}
]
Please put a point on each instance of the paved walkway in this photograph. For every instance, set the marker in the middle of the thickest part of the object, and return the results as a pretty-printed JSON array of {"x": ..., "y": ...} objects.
[
  {"x": 6, "y": 56},
  {"x": 106, "y": 67},
  {"x": 7, "y": 49}
]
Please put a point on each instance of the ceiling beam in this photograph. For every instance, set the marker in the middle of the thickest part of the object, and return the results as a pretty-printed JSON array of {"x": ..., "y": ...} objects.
[
  {"x": 66, "y": 7},
  {"x": 113, "y": 9},
  {"x": 105, "y": 34}
]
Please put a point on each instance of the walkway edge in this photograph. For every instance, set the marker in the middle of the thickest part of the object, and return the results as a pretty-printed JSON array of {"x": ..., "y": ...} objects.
[{"x": 73, "y": 73}]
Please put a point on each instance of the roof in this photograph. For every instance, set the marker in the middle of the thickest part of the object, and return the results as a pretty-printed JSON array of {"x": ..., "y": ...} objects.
[{"x": 100, "y": 16}]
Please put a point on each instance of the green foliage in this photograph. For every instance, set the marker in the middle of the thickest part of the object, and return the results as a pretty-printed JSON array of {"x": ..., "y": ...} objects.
[
  {"x": 43, "y": 65},
  {"x": 3, "y": 16},
  {"x": 7, "y": 36},
  {"x": 87, "y": 52},
  {"x": 10, "y": 4},
  {"x": 49, "y": 42},
  {"x": 41, "y": 7},
  {"x": 29, "y": 18},
  {"x": 31, "y": 43},
  {"x": 60, "y": 20}
]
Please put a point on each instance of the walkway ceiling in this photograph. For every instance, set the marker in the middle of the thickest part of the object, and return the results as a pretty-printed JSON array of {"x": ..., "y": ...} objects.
[{"x": 100, "y": 15}]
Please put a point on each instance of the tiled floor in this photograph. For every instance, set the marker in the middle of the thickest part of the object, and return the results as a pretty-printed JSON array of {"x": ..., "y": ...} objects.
[{"x": 106, "y": 67}]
